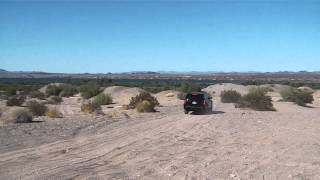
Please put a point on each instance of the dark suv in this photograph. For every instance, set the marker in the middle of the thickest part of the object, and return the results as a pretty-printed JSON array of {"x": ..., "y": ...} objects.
[{"x": 197, "y": 102}]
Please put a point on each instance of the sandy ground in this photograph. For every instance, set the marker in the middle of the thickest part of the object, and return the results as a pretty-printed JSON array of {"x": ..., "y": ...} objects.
[{"x": 226, "y": 144}]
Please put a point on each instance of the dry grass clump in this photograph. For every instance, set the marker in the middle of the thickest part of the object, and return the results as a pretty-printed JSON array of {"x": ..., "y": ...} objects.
[
  {"x": 103, "y": 99},
  {"x": 230, "y": 96},
  {"x": 54, "y": 100},
  {"x": 90, "y": 107},
  {"x": 53, "y": 113},
  {"x": 37, "y": 108},
  {"x": 117, "y": 114},
  {"x": 170, "y": 94},
  {"x": 299, "y": 96},
  {"x": 145, "y": 106},
  {"x": 256, "y": 99},
  {"x": 143, "y": 100},
  {"x": 15, "y": 101}
]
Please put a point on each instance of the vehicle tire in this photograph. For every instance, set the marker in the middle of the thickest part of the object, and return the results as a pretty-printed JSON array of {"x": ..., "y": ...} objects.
[{"x": 186, "y": 112}]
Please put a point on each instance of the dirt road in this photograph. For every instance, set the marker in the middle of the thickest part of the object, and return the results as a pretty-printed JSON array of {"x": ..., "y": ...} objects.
[{"x": 227, "y": 144}]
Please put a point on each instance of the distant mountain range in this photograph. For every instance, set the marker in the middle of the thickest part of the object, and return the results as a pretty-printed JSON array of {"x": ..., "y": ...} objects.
[{"x": 165, "y": 75}]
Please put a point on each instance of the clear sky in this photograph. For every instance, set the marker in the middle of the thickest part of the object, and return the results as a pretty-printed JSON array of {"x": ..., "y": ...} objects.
[{"x": 160, "y": 36}]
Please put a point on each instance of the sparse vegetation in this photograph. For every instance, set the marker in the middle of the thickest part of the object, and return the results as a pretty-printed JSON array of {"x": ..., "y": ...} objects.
[
  {"x": 37, "y": 108},
  {"x": 11, "y": 91},
  {"x": 89, "y": 90},
  {"x": 145, "y": 106},
  {"x": 230, "y": 96},
  {"x": 299, "y": 96},
  {"x": 37, "y": 94},
  {"x": 53, "y": 90},
  {"x": 68, "y": 91},
  {"x": 53, "y": 113},
  {"x": 90, "y": 107},
  {"x": 256, "y": 99},
  {"x": 54, "y": 100},
  {"x": 144, "y": 96},
  {"x": 15, "y": 101},
  {"x": 187, "y": 87},
  {"x": 181, "y": 95},
  {"x": 64, "y": 90},
  {"x": 103, "y": 99},
  {"x": 21, "y": 116}
]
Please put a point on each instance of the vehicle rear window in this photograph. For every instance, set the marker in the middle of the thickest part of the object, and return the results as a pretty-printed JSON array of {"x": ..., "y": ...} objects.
[{"x": 195, "y": 97}]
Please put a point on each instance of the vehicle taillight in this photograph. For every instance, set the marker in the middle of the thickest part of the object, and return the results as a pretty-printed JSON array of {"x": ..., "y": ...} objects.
[{"x": 186, "y": 100}]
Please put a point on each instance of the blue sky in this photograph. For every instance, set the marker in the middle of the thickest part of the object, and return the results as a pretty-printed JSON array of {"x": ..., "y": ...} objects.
[{"x": 160, "y": 36}]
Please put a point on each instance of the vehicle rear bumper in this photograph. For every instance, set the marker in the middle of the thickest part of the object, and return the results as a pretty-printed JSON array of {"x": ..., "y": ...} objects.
[{"x": 193, "y": 108}]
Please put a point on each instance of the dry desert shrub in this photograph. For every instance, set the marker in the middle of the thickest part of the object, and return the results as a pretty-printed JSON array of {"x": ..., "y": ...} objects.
[
  {"x": 37, "y": 94},
  {"x": 145, "y": 106},
  {"x": 89, "y": 90},
  {"x": 144, "y": 96},
  {"x": 90, "y": 107},
  {"x": 53, "y": 113},
  {"x": 18, "y": 116},
  {"x": 15, "y": 101},
  {"x": 298, "y": 96},
  {"x": 230, "y": 96},
  {"x": 54, "y": 100},
  {"x": 256, "y": 99},
  {"x": 37, "y": 108}
]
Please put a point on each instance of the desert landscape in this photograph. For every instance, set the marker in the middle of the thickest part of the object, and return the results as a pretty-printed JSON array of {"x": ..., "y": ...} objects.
[
  {"x": 159, "y": 90},
  {"x": 120, "y": 143}
]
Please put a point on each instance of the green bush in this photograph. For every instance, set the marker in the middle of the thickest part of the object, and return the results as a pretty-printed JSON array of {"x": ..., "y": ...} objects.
[
  {"x": 144, "y": 96},
  {"x": 90, "y": 107},
  {"x": 37, "y": 94},
  {"x": 256, "y": 99},
  {"x": 89, "y": 90},
  {"x": 64, "y": 90},
  {"x": 230, "y": 96},
  {"x": 103, "y": 99},
  {"x": 36, "y": 108},
  {"x": 186, "y": 88},
  {"x": 68, "y": 91},
  {"x": 53, "y": 90},
  {"x": 15, "y": 101},
  {"x": 145, "y": 106},
  {"x": 298, "y": 96},
  {"x": 54, "y": 100}
]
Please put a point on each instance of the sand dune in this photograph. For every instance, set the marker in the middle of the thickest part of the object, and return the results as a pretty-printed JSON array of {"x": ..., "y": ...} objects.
[
  {"x": 167, "y": 98},
  {"x": 122, "y": 95}
]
